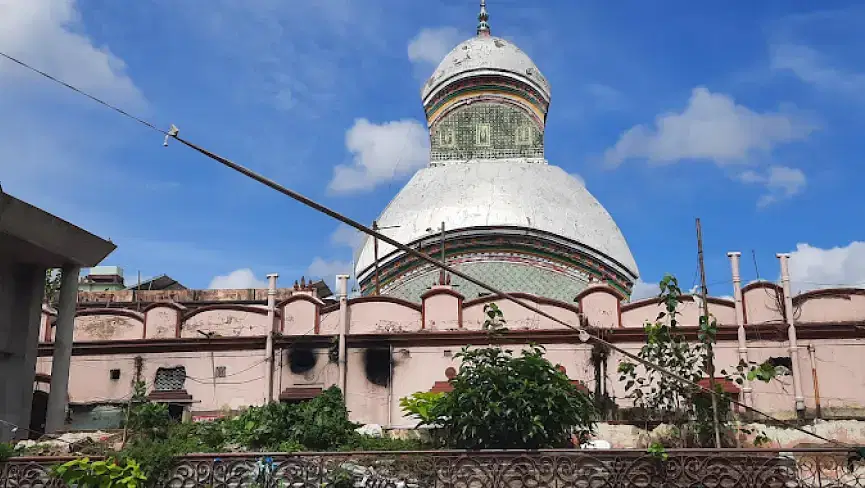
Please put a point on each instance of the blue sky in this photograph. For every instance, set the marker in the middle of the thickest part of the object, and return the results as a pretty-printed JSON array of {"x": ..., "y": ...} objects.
[{"x": 747, "y": 115}]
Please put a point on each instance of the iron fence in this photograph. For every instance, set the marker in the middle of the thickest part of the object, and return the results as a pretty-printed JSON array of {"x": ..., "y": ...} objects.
[{"x": 709, "y": 468}]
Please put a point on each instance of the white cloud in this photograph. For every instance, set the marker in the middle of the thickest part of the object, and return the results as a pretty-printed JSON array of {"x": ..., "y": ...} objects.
[
  {"x": 238, "y": 279},
  {"x": 345, "y": 236},
  {"x": 327, "y": 270},
  {"x": 382, "y": 152},
  {"x": 812, "y": 267},
  {"x": 781, "y": 183},
  {"x": 431, "y": 45},
  {"x": 809, "y": 66},
  {"x": 642, "y": 290},
  {"x": 712, "y": 127},
  {"x": 47, "y": 35}
]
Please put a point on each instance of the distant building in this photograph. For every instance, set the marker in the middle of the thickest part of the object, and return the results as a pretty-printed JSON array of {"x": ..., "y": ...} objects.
[
  {"x": 102, "y": 278},
  {"x": 162, "y": 282}
]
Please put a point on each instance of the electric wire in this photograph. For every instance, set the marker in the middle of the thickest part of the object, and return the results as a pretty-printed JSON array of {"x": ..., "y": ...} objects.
[{"x": 584, "y": 335}]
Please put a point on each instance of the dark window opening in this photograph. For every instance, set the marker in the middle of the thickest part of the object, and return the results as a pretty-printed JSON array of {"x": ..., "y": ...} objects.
[
  {"x": 220, "y": 372},
  {"x": 782, "y": 362},
  {"x": 175, "y": 411},
  {"x": 301, "y": 360},
  {"x": 115, "y": 374},
  {"x": 377, "y": 362}
]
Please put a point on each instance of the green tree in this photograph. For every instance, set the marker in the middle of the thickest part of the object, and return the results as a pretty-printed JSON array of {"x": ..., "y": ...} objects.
[
  {"x": 684, "y": 405},
  {"x": 506, "y": 401},
  {"x": 52, "y": 286}
]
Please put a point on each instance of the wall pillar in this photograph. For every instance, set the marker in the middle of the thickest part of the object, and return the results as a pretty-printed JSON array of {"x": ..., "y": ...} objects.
[
  {"x": 791, "y": 331},
  {"x": 268, "y": 348},
  {"x": 342, "y": 292},
  {"x": 21, "y": 290},
  {"x": 63, "y": 337},
  {"x": 747, "y": 389}
]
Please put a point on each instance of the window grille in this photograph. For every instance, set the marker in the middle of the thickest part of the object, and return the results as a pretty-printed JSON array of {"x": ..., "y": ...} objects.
[{"x": 170, "y": 379}]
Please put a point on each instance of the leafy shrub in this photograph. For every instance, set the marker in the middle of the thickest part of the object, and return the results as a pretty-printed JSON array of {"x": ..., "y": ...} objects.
[
  {"x": 504, "y": 401},
  {"x": 359, "y": 442},
  {"x": 6, "y": 451},
  {"x": 151, "y": 420},
  {"x": 318, "y": 424},
  {"x": 85, "y": 473},
  {"x": 156, "y": 454},
  {"x": 422, "y": 406}
]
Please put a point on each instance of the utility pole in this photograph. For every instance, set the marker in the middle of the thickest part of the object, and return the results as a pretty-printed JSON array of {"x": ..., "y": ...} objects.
[
  {"x": 376, "y": 228},
  {"x": 442, "y": 279},
  {"x": 710, "y": 359},
  {"x": 375, "y": 255}
]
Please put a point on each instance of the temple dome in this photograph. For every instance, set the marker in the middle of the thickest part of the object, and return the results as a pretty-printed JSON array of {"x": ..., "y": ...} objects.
[
  {"x": 485, "y": 55},
  {"x": 489, "y": 204},
  {"x": 494, "y": 195}
]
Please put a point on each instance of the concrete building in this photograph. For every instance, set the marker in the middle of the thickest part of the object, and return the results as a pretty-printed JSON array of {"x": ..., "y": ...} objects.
[
  {"x": 31, "y": 242},
  {"x": 102, "y": 278}
]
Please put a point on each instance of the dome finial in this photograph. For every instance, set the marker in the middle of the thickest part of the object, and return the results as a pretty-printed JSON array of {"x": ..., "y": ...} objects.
[{"x": 483, "y": 17}]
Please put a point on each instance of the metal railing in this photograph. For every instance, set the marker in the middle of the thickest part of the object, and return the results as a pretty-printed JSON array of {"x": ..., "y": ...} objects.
[{"x": 728, "y": 468}]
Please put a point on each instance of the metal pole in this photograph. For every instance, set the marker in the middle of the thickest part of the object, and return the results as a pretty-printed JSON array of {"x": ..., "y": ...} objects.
[
  {"x": 710, "y": 360},
  {"x": 812, "y": 351},
  {"x": 443, "y": 274},
  {"x": 375, "y": 255}
]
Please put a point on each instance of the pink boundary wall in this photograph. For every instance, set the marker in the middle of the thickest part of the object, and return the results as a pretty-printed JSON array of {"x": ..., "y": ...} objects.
[{"x": 425, "y": 336}]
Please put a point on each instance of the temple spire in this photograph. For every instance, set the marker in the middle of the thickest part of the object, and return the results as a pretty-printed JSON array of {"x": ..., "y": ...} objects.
[{"x": 483, "y": 17}]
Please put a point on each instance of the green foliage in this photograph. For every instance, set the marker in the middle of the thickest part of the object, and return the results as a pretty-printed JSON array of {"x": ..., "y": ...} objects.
[
  {"x": 359, "y": 442},
  {"x": 291, "y": 446},
  {"x": 85, "y": 473},
  {"x": 422, "y": 406},
  {"x": 669, "y": 400},
  {"x": 339, "y": 477},
  {"x": 658, "y": 451},
  {"x": 52, "y": 286},
  {"x": 318, "y": 424},
  {"x": 156, "y": 455},
  {"x": 504, "y": 401},
  {"x": 6, "y": 451},
  {"x": 495, "y": 322}
]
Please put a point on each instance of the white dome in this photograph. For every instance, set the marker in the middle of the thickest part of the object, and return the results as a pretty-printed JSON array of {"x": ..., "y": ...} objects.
[
  {"x": 477, "y": 194},
  {"x": 485, "y": 54}
]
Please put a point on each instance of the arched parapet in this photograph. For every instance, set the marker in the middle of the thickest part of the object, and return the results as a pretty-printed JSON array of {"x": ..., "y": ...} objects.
[
  {"x": 383, "y": 314},
  {"x": 162, "y": 320},
  {"x": 690, "y": 310},
  {"x": 301, "y": 314},
  {"x": 830, "y": 305},
  {"x": 105, "y": 324},
  {"x": 601, "y": 305},
  {"x": 518, "y": 317},
  {"x": 762, "y": 303},
  {"x": 226, "y": 320},
  {"x": 442, "y": 309}
]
